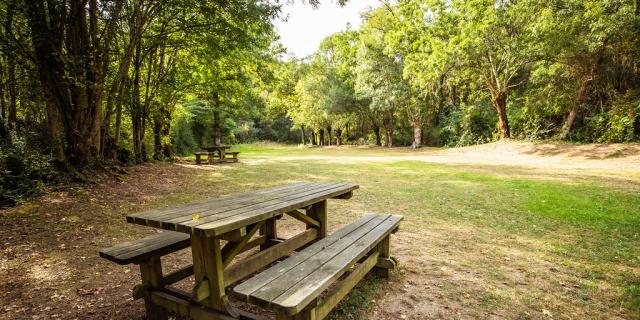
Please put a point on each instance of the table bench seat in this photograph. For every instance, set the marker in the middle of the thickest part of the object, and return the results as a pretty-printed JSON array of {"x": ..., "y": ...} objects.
[
  {"x": 293, "y": 286},
  {"x": 140, "y": 250}
]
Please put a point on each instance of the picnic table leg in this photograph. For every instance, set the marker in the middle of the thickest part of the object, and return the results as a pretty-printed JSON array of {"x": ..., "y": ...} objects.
[
  {"x": 318, "y": 212},
  {"x": 385, "y": 262},
  {"x": 269, "y": 229},
  {"x": 208, "y": 272},
  {"x": 151, "y": 273}
]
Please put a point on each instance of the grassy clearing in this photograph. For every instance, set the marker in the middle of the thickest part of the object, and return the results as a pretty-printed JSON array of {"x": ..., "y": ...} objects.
[
  {"x": 479, "y": 241},
  {"x": 581, "y": 232}
]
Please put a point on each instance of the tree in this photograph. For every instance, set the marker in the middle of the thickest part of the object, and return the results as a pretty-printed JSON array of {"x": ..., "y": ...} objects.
[
  {"x": 578, "y": 37},
  {"x": 379, "y": 74}
]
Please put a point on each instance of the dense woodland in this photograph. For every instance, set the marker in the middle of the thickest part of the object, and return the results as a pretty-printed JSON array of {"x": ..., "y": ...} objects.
[{"x": 86, "y": 84}]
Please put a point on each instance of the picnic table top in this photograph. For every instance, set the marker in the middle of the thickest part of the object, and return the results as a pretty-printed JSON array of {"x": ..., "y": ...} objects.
[
  {"x": 218, "y": 216},
  {"x": 216, "y": 147}
]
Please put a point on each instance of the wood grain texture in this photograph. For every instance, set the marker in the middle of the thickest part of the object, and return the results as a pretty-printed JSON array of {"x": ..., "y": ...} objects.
[
  {"x": 215, "y": 217},
  {"x": 293, "y": 284},
  {"x": 139, "y": 250}
]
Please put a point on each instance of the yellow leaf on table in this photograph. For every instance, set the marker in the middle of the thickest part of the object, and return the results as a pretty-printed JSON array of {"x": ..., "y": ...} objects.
[{"x": 196, "y": 217}]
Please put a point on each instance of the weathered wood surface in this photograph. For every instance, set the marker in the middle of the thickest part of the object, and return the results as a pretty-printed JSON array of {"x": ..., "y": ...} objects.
[
  {"x": 219, "y": 216},
  {"x": 139, "y": 250},
  {"x": 294, "y": 283}
]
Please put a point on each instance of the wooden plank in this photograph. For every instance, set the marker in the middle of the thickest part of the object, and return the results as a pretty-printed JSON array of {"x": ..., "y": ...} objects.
[
  {"x": 178, "y": 275},
  {"x": 270, "y": 292},
  {"x": 251, "y": 264},
  {"x": 171, "y": 222},
  {"x": 164, "y": 213},
  {"x": 188, "y": 225},
  {"x": 220, "y": 205},
  {"x": 262, "y": 213},
  {"x": 220, "y": 211},
  {"x": 141, "y": 249},
  {"x": 299, "y": 295},
  {"x": 158, "y": 212},
  {"x": 164, "y": 237},
  {"x": 341, "y": 289},
  {"x": 298, "y": 215},
  {"x": 234, "y": 235},
  {"x": 250, "y": 286},
  {"x": 186, "y": 309}
]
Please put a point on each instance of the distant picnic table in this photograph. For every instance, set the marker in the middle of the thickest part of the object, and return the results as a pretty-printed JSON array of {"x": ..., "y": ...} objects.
[
  {"x": 219, "y": 151},
  {"x": 219, "y": 230}
]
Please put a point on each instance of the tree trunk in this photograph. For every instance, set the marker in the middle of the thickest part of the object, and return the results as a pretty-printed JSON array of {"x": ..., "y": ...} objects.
[
  {"x": 417, "y": 134},
  {"x": 321, "y": 137},
  {"x": 581, "y": 96},
  {"x": 121, "y": 81},
  {"x": 313, "y": 137},
  {"x": 3, "y": 102},
  {"x": 56, "y": 139},
  {"x": 11, "y": 70},
  {"x": 347, "y": 131},
  {"x": 388, "y": 126},
  {"x": 157, "y": 139},
  {"x": 217, "y": 130},
  {"x": 71, "y": 65},
  {"x": 330, "y": 135},
  {"x": 376, "y": 132},
  {"x": 302, "y": 137},
  {"x": 338, "y": 137},
  {"x": 136, "y": 110},
  {"x": 500, "y": 104}
]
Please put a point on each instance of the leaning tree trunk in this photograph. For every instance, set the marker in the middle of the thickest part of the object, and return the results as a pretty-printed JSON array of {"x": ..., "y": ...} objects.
[
  {"x": 500, "y": 104},
  {"x": 577, "y": 104}
]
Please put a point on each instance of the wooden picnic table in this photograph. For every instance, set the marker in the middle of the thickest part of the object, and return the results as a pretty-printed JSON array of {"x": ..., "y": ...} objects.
[
  {"x": 234, "y": 220},
  {"x": 220, "y": 148}
]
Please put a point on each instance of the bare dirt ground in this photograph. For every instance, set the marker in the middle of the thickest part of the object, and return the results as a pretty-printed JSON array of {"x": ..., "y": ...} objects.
[
  {"x": 553, "y": 156},
  {"x": 50, "y": 269}
]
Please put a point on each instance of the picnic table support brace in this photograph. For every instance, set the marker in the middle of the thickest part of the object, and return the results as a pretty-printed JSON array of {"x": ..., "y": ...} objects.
[{"x": 151, "y": 273}]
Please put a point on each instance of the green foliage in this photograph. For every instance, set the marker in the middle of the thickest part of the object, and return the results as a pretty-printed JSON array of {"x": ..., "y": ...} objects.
[
  {"x": 25, "y": 170},
  {"x": 466, "y": 125}
]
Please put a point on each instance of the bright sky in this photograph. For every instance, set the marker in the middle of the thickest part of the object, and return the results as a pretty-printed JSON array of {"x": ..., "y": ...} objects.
[{"x": 306, "y": 27}]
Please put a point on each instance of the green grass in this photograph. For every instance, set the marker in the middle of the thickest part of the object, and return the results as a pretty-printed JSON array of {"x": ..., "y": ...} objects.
[{"x": 587, "y": 225}]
